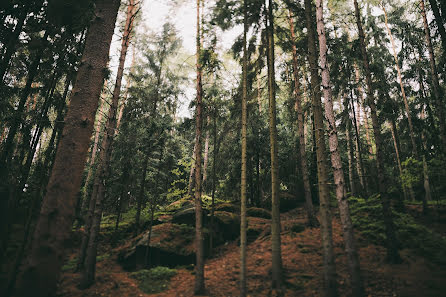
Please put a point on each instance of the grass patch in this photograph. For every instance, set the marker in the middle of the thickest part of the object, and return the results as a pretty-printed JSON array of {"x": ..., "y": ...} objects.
[
  {"x": 154, "y": 280},
  {"x": 71, "y": 264}
]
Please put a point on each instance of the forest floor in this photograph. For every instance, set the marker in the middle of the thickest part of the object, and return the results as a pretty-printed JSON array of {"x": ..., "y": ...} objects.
[{"x": 302, "y": 262}]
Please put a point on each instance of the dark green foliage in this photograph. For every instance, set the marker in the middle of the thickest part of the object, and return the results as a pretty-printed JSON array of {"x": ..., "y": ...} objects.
[
  {"x": 367, "y": 218},
  {"x": 154, "y": 280}
]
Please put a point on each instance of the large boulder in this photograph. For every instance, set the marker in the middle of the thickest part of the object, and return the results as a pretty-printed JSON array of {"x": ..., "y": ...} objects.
[
  {"x": 226, "y": 226},
  {"x": 258, "y": 213},
  {"x": 187, "y": 216},
  {"x": 170, "y": 245}
]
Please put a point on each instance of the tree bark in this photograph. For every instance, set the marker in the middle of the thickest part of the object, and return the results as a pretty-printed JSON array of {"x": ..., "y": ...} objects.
[
  {"x": 206, "y": 153},
  {"x": 403, "y": 93},
  {"x": 277, "y": 282},
  {"x": 329, "y": 272},
  {"x": 438, "y": 94},
  {"x": 338, "y": 174},
  {"x": 199, "y": 288},
  {"x": 359, "y": 164},
  {"x": 312, "y": 220},
  {"x": 243, "y": 221},
  {"x": 41, "y": 272},
  {"x": 88, "y": 274},
  {"x": 391, "y": 241}
]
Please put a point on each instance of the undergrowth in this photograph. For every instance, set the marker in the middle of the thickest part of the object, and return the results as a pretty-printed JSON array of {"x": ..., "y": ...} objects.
[
  {"x": 367, "y": 218},
  {"x": 154, "y": 280}
]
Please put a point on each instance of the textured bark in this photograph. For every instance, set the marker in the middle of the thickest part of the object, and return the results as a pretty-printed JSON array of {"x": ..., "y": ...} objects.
[
  {"x": 277, "y": 285},
  {"x": 329, "y": 271},
  {"x": 311, "y": 217},
  {"x": 199, "y": 288},
  {"x": 191, "y": 183},
  {"x": 403, "y": 93},
  {"x": 41, "y": 272},
  {"x": 351, "y": 178},
  {"x": 243, "y": 221},
  {"x": 438, "y": 94},
  {"x": 391, "y": 241},
  {"x": 398, "y": 159},
  {"x": 338, "y": 174},
  {"x": 426, "y": 182},
  {"x": 206, "y": 153},
  {"x": 359, "y": 164},
  {"x": 88, "y": 274}
]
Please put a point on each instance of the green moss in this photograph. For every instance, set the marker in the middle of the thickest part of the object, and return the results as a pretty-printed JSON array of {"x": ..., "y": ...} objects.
[
  {"x": 70, "y": 265},
  {"x": 154, "y": 280},
  {"x": 258, "y": 213}
]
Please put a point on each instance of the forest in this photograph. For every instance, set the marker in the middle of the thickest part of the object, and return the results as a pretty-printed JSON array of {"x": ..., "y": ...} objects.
[{"x": 222, "y": 148}]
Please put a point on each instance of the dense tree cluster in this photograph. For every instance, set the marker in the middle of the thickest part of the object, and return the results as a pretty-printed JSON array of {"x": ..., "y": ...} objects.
[{"x": 316, "y": 102}]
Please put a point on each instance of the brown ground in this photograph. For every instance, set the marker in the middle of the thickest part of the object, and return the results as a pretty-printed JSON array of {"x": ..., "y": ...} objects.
[{"x": 302, "y": 263}]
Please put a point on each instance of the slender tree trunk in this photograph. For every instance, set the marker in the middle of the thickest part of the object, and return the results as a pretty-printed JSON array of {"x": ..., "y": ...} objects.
[
  {"x": 351, "y": 170},
  {"x": 243, "y": 221},
  {"x": 439, "y": 21},
  {"x": 41, "y": 272},
  {"x": 214, "y": 182},
  {"x": 312, "y": 220},
  {"x": 192, "y": 172},
  {"x": 329, "y": 272},
  {"x": 359, "y": 164},
  {"x": 88, "y": 274},
  {"x": 277, "y": 285},
  {"x": 398, "y": 160},
  {"x": 403, "y": 93},
  {"x": 338, "y": 174},
  {"x": 206, "y": 153},
  {"x": 94, "y": 150},
  {"x": 426, "y": 183},
  {"x": 141, "y": 195},
  {"x": 11, "y": 46},
  {"x": 199, "y": 288},
  {"x": 392, "y": 245},
  {"x": 438, "y": 94}
]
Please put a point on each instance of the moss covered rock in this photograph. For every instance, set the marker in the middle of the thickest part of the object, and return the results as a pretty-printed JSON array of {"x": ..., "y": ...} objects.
[{"x": 258, "y": 213}]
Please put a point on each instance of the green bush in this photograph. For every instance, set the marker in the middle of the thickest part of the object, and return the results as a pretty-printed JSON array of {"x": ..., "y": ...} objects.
[
  {"x": 154, "y": 280},
  {"x": 258, "y": 213},
  {"x": 367, "y": 218}
]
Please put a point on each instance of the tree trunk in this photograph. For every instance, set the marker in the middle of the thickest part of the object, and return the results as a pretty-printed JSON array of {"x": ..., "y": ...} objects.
[
  {"x": 88, "y": 274},
  {"x": 439, "y": 21},
  {"x": 141, "y": 195},
  {"x": 243, "y": 221},
  {"x": 398, "y": 160},
  {"x": 336, "y": 162},
  {"x": 11, "y": 46},
  {"x": 438, "y": 94},
  {"x": 329, "y": 273},
  {"x": 403, "y": 93},
  {"x": 351, "y": 170},
  {"x": 392, "y": 245},
  {"x": 41, "y": 272},
  {"x": 312, "y": 220},
  {"x": 206, "y": 152},
  {"x": 359, "y": 164},
  {"x": 199, "y": 288},
  {"x": 277, "y": 285}
]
